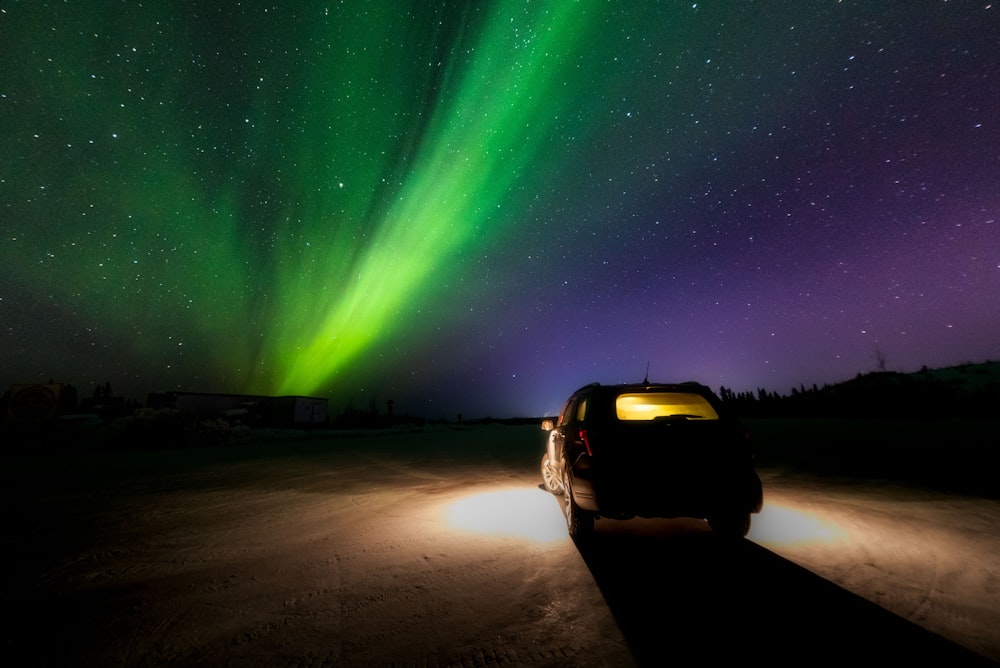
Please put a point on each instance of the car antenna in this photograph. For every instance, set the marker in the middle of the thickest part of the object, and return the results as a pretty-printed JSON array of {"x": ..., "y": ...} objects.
[{"x": 645, "y": 381}]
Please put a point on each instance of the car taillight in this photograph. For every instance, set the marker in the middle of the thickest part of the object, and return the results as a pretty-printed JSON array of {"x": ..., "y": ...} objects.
[{"x": 586, "y": 443}]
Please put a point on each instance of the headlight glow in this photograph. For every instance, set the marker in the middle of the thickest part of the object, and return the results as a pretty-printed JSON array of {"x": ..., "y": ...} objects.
[{"x": 520, "y": 512}]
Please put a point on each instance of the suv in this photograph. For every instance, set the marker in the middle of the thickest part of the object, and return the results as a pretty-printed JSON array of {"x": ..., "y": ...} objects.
[{"x": 650, "y": 450}]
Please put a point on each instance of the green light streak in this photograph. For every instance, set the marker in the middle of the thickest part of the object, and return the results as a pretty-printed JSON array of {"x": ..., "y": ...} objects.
[
  {"x": 261, "y": 215},
  {"x": 483, "y": 134}
]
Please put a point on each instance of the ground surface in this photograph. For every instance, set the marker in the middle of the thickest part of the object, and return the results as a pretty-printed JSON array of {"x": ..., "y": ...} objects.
[{"x": 438, "y": 548}]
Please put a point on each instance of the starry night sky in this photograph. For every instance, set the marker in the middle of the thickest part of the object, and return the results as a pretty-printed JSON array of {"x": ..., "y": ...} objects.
[{"x": 477, "y": 207}]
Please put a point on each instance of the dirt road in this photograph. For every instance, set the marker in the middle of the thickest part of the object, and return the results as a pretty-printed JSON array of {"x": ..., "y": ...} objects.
[{"x": 437, "y": 548}]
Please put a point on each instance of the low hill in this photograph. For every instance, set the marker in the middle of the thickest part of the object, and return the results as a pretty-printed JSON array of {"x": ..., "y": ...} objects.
[{"x": 966, "y": 390}]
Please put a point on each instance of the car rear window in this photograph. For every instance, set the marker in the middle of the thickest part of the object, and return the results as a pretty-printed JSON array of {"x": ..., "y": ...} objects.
[{"x": 651, "y": 405}]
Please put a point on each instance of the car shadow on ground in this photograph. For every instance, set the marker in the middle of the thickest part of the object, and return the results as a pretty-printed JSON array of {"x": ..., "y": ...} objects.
[{"x": 684, "y": 596}]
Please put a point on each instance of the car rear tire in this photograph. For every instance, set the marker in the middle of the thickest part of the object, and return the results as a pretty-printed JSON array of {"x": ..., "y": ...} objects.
[
  {"x": 549, "y": 477},
  {"x": 730, "y": 525},
  {"x": 579, "y": 522}
]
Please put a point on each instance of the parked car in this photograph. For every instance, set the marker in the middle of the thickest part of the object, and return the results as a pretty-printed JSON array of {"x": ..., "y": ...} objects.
[{"x": 650, "y": 450}]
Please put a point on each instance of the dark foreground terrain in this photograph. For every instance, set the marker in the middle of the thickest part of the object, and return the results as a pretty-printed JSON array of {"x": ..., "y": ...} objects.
[{"x": 436, "y": 547}]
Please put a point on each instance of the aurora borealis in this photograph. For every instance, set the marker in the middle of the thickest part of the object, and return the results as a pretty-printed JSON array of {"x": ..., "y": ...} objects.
[{"x": 476, "y": 207}]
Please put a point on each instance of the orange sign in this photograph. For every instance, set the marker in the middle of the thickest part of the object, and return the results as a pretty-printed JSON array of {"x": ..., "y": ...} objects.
[{"x": 33, "y": 403}]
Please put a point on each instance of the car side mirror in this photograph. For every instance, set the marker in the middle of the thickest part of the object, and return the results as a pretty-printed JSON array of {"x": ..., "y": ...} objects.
[{"x": 548, "y": 425}]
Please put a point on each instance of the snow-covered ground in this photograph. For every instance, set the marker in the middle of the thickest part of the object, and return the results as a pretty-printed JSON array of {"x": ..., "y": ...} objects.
[{"x": 436, "y": 547}]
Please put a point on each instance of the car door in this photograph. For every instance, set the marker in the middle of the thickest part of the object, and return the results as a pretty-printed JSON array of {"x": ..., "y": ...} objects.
[
  {"x": 557, "y": 437},
  {"x": 571, "y": 429}
]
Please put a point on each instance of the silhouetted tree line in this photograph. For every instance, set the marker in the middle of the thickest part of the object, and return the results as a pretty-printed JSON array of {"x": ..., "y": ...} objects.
[
  {"x": 104, "y": 402},
  {"x": 373, "y": 418},
  {"x": 882, "y": 394},
  {"x": 969, "y": 390}
]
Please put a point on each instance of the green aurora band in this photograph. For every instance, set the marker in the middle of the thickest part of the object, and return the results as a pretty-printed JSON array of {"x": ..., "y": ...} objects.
[
  {"x": 483, "y": 125},
  {"x": 296, "y": 198}
]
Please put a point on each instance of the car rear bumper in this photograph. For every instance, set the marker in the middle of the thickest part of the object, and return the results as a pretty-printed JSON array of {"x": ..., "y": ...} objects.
[{"x": 663, "y": 496}]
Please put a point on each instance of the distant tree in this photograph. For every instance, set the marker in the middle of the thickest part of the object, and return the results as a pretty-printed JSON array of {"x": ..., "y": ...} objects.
[
  {"x": 103, "y": 391},
  {"x": 879, "y": 358}
]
